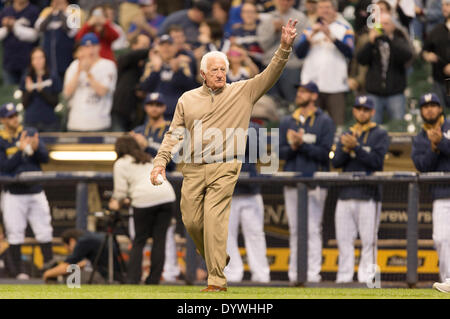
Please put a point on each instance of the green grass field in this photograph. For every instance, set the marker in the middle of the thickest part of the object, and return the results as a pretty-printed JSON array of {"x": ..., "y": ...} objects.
[{"x": 193, "y": 292}]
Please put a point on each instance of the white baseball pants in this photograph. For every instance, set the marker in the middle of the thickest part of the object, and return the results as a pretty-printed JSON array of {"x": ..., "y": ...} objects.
[
  {"x": 18, "y": 210},
  {"x": 171, "y": 268},
  {"x": 353, "y": 217},
  {"x": 248, "y": 211},
  {"x": 316, "y": 204},
  {"x": 441, "y": 235}
]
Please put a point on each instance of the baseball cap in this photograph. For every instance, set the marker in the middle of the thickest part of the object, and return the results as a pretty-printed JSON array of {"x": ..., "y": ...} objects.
[
  {"x": 202, "y": 5},
  {"x": 146, "y": 2},
  {"x": 7, "y": 109},
  {"x": 154, "y": 97},
  {"x": 429, "y": 98},
  {"x": 165, "y": 38},
  {"x": 364, "y": 101},
  {"x": 310, "y": 86},
  {"x": 89, "y": 39}
]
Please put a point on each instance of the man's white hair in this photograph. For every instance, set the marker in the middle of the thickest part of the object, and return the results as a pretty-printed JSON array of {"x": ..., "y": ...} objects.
[{"x": 213, "y": 54}]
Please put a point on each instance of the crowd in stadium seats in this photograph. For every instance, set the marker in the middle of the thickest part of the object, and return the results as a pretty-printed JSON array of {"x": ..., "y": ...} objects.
[{"x": 157, "y": 47}]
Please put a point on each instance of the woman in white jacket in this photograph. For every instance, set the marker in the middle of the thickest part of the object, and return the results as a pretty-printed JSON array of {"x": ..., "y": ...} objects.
[{"x": 152, "y": 206}]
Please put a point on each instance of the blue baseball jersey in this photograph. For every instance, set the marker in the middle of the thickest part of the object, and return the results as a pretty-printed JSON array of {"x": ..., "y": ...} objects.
[{"x": 14, "y": 161}]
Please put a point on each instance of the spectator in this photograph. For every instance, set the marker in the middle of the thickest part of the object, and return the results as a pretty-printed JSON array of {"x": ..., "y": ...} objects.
[
  {"x": 188, "y": 19},
  {"x": 306, "y": 138},
  {"x": 89, "y": 85},
  {"x": 245, "y": 33},
  {"x": 121, "y": 42},
  {"x": 220, "y": 12},
  {"x": 386, "y": 55},
  {"x": 247, "y": 210},
  {"x": 82, "y": 246},
  {"x": 268, "y": 32},
  {"x": 168, "y": 73},
  {"x": 57, "y": 38},
  {"x": 152, "y": 206},
  {"x": 149, "y": 137},
  {"x": 361, "y": 149},
  {"x": 19, "y": 38},
  {"x": 433, "y": 14},
  {"x": 179, "y": 39},
  {"x": 148, "y": 22},
  {"x": 311, "y": 11},
  {"x": 126, "y": 100},
  {"x": 241, "y": 66},
  {"x": 40, "y": 94},
  {"x": 327, "y": 47},
  {"x": 430, "y": 153},
  {"x": 102, "y": 27},
  {"x": 211, "y": 38},
  {"x": 22, "y": 151},
  {"x": 436, "y": 50}
]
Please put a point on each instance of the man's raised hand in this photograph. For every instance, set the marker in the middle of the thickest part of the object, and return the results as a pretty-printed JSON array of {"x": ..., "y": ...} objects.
[{"x": 288, "y": 34}]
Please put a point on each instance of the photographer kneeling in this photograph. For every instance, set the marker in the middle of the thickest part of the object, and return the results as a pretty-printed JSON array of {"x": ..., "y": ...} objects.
[
  {"x": 152, "y": 206},
  {"x": 84, "y": 245}
]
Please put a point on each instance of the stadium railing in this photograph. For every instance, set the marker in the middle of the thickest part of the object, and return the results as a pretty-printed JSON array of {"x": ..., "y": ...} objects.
[{"x": 415, "y": 184}]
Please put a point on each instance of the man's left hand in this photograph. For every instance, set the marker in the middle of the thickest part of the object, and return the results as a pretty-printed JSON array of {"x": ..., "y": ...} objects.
[{"x": 288, "y": 34}]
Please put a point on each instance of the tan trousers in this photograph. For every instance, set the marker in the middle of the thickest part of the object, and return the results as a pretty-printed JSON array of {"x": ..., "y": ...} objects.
[{"x": 205, "y": 207}]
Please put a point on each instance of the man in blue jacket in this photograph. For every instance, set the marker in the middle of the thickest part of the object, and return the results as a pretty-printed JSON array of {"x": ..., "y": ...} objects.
[
  {"x": 306, "y": 138},
  {"x": 431, "y": 153},
  {"x": 22, "y": 151},
  {"x": 361, "y": 149}
]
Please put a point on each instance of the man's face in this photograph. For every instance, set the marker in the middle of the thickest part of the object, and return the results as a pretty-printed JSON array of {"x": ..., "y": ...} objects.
[
  {"x": 446, "y": 10},
  {"x": 155, "y": 110},
  {"x": 363, "y": 114},
  {"x": 283, "y": 5},
  {"x": 11, "y": 123},
  {"x": 178, "y": 37},
  {"x": 216, "y": 73},
  {"x": 149, "y": 11},
  {"x": 248, "y": 13},
  {"x": 326, "y": 11},
  {"x": 311, "y": 7},
  {"x": 167, "y": 51},
  {"x": 90, "y": 51},
  {"x": 431, "y": 112},
  {"x": 304, "y": 97},
  {"x": 142, "y": 42},
  {"x": 387, "y": 23}
]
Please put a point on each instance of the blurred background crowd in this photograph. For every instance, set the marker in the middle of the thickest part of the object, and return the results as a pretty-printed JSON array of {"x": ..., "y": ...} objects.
[{"x": 91, "y": 70}]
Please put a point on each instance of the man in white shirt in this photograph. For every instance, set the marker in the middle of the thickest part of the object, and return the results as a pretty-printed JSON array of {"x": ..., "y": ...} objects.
[{"x": 89, "y": 85}]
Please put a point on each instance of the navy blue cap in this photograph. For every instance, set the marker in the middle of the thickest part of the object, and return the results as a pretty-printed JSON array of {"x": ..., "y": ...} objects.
[
  {"x": 89, "y": 39},
  {"x": 310, "y": 86},
  {"x": 7, "y": 109},
  {"x": 429, "y": 98},
  {"x": 154, "y": 97},
  {"x": 165, "y": 38},
  {"x": 364, "y": 101}
]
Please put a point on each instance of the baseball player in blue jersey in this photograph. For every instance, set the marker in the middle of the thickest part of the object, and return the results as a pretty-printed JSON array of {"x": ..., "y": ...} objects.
[
  {"x": 22, "y": 151},
  {"x": 149, "y": 136},
  {"x": 431, "y": 153},
  {"x": 306, "y": 138},
  {"x": 362, "y": 149}
]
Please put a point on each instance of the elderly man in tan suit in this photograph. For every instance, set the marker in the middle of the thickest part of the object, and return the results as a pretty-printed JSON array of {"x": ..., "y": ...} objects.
[{"x": 212, "y": 165}]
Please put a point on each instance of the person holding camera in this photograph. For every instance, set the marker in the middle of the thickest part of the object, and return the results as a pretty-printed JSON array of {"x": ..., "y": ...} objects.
[
  {"x": 152, "y": 206},
  {"x": 103, "y": 28},
  {"x": 386, "y": 55}
]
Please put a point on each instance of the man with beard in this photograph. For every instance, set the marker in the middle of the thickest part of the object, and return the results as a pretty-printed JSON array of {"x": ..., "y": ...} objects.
[
  {"x": 306, "y": 137},
  {"x": 431, "y": 153},
  {"x": 362, "y": 149}
]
